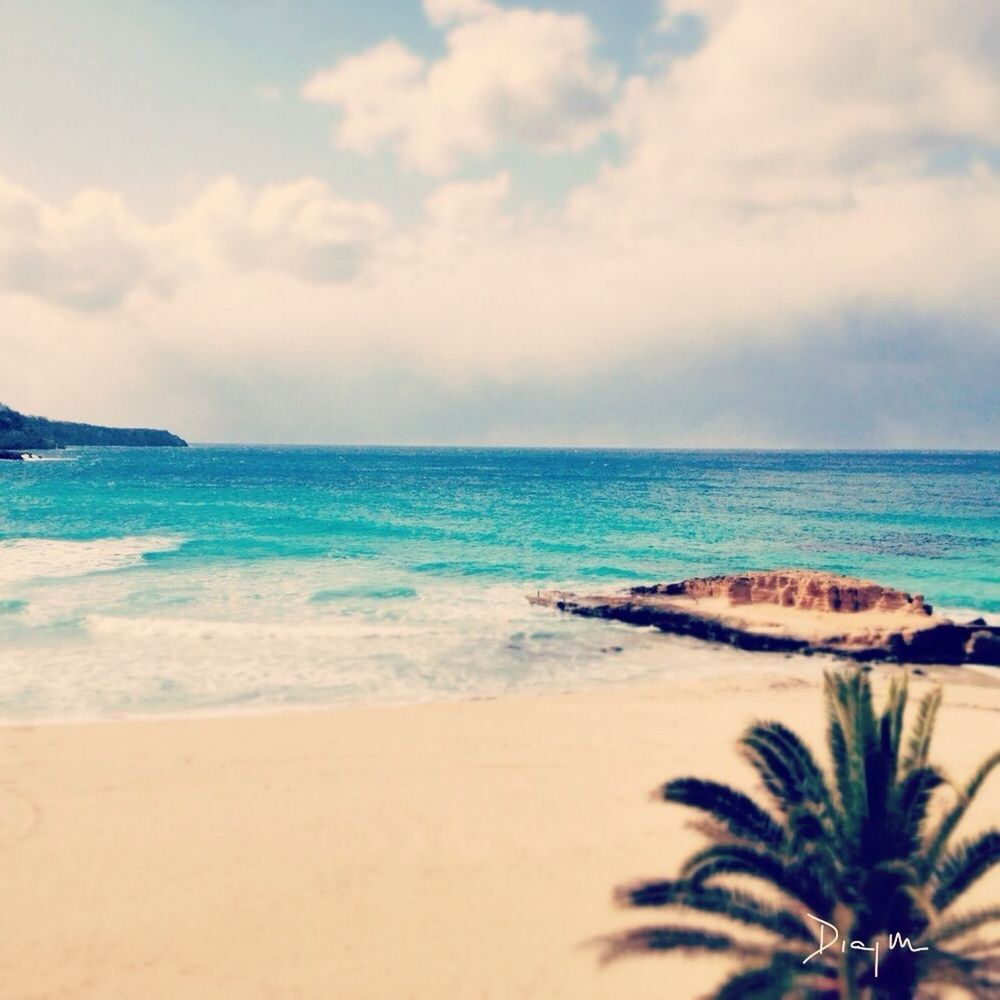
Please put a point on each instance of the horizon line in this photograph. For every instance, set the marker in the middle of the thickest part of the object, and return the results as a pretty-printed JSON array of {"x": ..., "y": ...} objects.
[{"x": 594, "y": 447}]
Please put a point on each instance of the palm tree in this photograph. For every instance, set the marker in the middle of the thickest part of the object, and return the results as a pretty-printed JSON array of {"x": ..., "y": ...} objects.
[{"x": 857, "y": 851}]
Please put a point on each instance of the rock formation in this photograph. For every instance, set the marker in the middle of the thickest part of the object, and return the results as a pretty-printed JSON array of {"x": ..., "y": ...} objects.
[
  {"x": 805, "y": 589},
  {"x": 799, "y": 611},
  {"x": 20, "y": 433}
]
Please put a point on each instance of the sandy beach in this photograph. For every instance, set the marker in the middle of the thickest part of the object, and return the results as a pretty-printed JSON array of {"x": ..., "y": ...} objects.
[{"x": 463, "y": 850}]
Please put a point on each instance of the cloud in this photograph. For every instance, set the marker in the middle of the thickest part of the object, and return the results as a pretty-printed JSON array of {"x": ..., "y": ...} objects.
[
  {"x": 777, "y": 174},
  {"x": 89, "y": 254},
  {"x": 95, "y": 253},
  {"x": 441, "y": 13},
  {"x": 466, "y": 208},
  {"x": 508, "y": 76},
  {"x": 866, "y": 89},
  {"x": 299, "y": 228}
]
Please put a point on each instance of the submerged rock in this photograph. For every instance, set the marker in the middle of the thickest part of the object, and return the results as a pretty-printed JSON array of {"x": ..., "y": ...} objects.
[{"x": 801, "y": 611}]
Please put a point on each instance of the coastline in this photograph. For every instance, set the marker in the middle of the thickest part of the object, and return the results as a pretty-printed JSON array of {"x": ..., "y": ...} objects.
[{"x": 460, "y": 849}]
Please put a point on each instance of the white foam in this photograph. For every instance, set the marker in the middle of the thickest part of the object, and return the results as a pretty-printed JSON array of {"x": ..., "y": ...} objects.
[
  {"x": 180, "y": 629},
  {"x": 965, "y": 615},
  {"x": 24, "y": 559}
]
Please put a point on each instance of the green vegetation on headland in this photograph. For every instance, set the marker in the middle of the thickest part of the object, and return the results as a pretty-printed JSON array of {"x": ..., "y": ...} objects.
[
  {"x": 859, "y": 866},
  {"x": 20, "y": 433}
]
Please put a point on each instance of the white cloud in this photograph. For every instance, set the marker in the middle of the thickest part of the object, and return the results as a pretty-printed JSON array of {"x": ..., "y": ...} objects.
[
  {"x": 444, "y": 12},
  {"x": 95, "y": 253},
  {"x": 299, "y": 228},
  {"x": 88, "y": 255},
  {"x": 468, "y": 205},
  {"x": 509, "y": 75},
  {"x": 781, "y": 173},
  {"x": 814, "y": 91}
]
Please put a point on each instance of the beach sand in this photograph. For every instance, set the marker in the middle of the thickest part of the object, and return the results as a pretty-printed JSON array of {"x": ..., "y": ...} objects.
[{"x": 438, "y": 851}]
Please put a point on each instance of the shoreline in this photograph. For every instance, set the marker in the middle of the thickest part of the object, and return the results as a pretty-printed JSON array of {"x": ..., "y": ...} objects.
[
  {"x": 739, "y": 664},
  {"x": 461, "y": 849}
]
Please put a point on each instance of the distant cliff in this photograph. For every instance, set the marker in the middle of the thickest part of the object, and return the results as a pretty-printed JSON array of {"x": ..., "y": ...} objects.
[{"x": 19, "y": 432}]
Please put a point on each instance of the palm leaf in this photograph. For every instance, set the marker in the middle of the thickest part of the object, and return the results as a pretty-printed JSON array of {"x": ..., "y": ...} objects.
[
  {"x": 891, "y": 726},
  {"x": 913, "y": 797},
  {"x": 738, "y": 812},
  {"x": 764, "y": 982},
  {"x": 975, "y": 975},
  {"x": 796, "y": 880},
  {"x": 785, "y": 764},
  {"x": 964, "y": 866},
  {"x": 847, "y": 762},
  {"x": 948, "y": 930},
  {"x": 733, "y": 904},
  {"x": 922, "y": 730},
  {"x": 954, "y": 815},
  {"x": 671, "y": 938}
]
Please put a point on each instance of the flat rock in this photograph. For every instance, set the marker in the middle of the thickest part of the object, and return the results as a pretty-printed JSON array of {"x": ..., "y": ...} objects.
[{"x": 800, "y": 611}]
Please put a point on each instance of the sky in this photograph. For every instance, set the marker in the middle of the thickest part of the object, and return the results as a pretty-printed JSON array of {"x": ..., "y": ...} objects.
[{"x": 654, "y": 223}]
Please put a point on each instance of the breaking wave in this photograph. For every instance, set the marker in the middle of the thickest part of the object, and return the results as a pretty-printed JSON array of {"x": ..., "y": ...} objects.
[{"x": 24, "y": 559}]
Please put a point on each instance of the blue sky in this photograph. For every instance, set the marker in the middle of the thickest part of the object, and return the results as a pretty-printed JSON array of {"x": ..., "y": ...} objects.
[
  {"x": 146, "y": 97},
  {"x": 649, "y": 223}
]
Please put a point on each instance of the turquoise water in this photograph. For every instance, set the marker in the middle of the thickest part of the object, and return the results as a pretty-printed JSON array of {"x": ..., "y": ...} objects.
[{"x": 135, "y": 581}]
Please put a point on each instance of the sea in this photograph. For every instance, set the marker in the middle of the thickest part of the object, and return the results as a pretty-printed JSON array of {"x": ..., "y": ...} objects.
[{"x": 214, "y": 579}]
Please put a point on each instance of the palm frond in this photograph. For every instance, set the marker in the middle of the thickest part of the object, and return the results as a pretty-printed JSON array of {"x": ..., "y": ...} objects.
[
  {"x": 742, "y": 907},
  {"x": 672, "y": 938},
  {"x": 913, "y": 796},
  {"x": 948, "y": 930},
  {"x": 891, "y": 724},
  {"x": 953, "y": 817},
  {"x": 975, "y": 975},
  {"x": 738, "y": 812},
  {"x": 799, "y": 881},
  {"x": 764, "y": 982},
  {"x": 847, "y": 763},
  {"x": 964, "y": 866},
  {"x": 832, "y": 701},
  {"x": 785, "y": 764},
  {"x": 735, "y": 859},
  {"x": 922, "y": 729}
]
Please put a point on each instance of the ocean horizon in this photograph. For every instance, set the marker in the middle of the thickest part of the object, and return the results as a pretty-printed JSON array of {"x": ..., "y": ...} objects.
[{"x": 239, "y": 577}]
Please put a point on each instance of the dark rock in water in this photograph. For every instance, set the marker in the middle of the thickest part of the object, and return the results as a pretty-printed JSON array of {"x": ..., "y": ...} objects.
[
  {"x": 20, "y": 433},
  {"x": 670, "y": 620},
  {"x": 983, "y": 646},
  {"x": 943, "y": 643}
]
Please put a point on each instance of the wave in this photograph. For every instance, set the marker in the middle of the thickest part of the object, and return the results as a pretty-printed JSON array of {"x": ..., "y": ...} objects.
[
  {"x": 180, "y": 629},
  {"x": 24, "y": 559},
  {"x": 373, "y": 593},
  {"x": 964, "y": 615}
]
